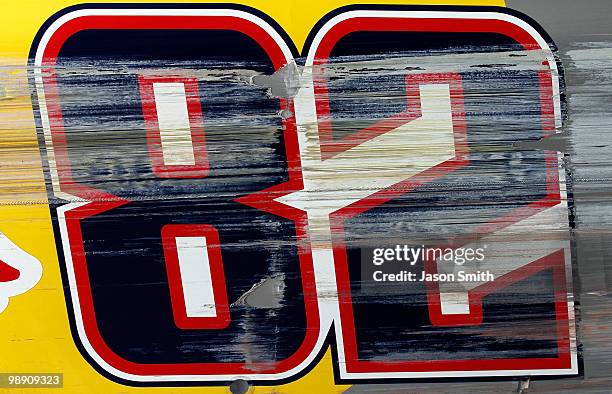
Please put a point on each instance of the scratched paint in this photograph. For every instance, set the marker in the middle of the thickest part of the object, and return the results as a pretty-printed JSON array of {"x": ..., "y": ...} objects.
[
  {"x": 352, "y": 78},
  {"x": 106, "y": 134},
  {"x": 103, "y": 128}
]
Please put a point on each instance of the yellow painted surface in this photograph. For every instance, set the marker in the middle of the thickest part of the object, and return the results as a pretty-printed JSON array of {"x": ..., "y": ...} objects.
[{"x": 34, "y": 330}]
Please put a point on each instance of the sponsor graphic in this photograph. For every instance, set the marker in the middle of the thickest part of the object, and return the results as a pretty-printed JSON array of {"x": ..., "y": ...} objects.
[
  {"x": 222, "y": 206},
  {"x": 19, "y": 271}
]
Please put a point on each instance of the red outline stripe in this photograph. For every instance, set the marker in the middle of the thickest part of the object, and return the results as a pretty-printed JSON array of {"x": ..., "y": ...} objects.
[
  {"x": 170, "y": 232},
  {"x": 196, "y": 122},
  {"x": 353, "y": 363},
  {"x": 103, "y": 201}
]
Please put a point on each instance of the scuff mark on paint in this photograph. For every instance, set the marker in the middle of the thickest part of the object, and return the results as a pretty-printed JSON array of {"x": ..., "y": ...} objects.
[
  {"x": 267, "y": 294},
  {"x": 560, "y": 142},
  {"x": 284, "y": 83}
]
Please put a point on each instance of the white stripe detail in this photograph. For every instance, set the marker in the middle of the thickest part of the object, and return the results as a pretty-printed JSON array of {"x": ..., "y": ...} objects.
[
  {"x": 196, "y": 278},
  {"x": 173, "y": 121},
  {"x": 454, "y": 303}
]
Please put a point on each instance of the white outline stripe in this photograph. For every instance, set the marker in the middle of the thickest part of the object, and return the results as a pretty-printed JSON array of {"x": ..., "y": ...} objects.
[
  {"x": 62, "y": 210},
  {"x": 324, "y": 274},
  {"x": 308, "y": 117}
]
